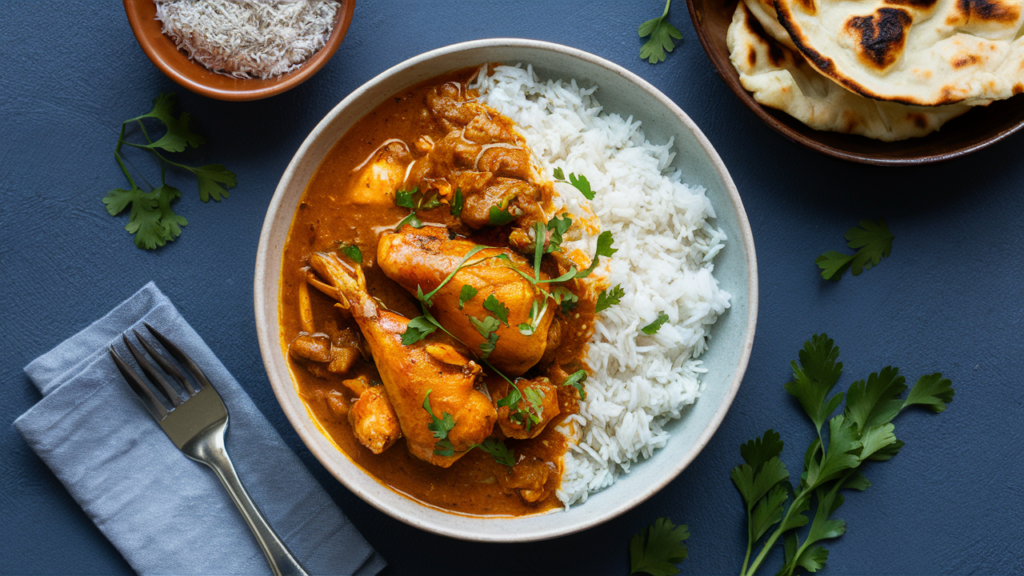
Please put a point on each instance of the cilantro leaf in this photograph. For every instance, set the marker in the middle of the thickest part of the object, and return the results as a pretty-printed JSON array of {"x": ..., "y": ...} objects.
[
  {"x": 932, "y": 391},
  {"x": 875, "y": 402},
  {"x": 758, "y": 451},
  {"x": 457, "y": 203},
  {"x": 655, "y": 551},
  {"x": 815, "y": 377},
  {"x": 872, "y": 241},
  {"x": 151, "y": 219},
  {"x": 652, "y": 328},
  {"x": 178, "y": 135},
  {"x": 558, "y": 227},
  {"x": 526, "y": 329},
  {"x": 499, "y": 217},
  {"x": 497, "y": 308},
  {"x": 467, "y": 294},
  {"x": 535, "y": 398},
  {"x": 352, "y": 251},
  {"x": 440, "y": 427},
  {"x": 404, "y": 198},
  {"x": 580, "y": 183},
  {"x": 576, "y": 380},
  {"x": 559, "y": 175},
  {"x": 606, "y": 299},
  {"x": 565, "y": 298},
  {"x": 497, "y": 449},
  {"x": 662, "y": 37},
  {"x": 418, "y": 328},
  {"x": 604, "y": 248},
  {"x": 210, "y": 177},
  {"x": 486, "y": 328},
  {"x": 412, "y": 220}
]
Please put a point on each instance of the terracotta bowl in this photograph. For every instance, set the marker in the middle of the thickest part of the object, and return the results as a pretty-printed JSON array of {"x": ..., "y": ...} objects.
[
  {"x": 970, "y": 132},
  {"x": 197, "y": 78},
  {"x": 619, "y": 91}
]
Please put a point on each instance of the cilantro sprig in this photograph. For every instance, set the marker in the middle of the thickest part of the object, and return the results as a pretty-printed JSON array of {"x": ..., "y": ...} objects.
[
  {"x": 579, "y": 182},
  {"x": 658, "y": 549},
  {"x": 151, "y": 218},
  {"x": 662, "y": 37},
  {"x": 862, "y": 432},
  {"x": 440, "y": 427},
  {"x": 609, "y": 297},
  {"x": 352, "y": 251},
  {"x": 872, "y": 241},
  {"x": 652, "y": 328}
]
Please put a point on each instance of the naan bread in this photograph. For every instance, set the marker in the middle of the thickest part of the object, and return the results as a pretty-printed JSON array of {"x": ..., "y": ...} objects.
[
  {"x": 923, "y": 52},
  {"x": 780, "y": 78}
]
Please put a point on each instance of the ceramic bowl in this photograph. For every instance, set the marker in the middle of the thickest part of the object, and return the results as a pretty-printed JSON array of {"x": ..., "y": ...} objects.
[
  {"x": 736, "y": 269},
  {"x": 968, "y": 133},
  {"x": 197, "y": 78}
]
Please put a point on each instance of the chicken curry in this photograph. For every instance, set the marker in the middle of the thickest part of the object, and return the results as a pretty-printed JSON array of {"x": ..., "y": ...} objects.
[{"x": 435, "y": 326}]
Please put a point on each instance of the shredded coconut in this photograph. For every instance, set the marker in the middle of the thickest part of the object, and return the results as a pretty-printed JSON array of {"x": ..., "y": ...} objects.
[{"x": 245, "y": 38}]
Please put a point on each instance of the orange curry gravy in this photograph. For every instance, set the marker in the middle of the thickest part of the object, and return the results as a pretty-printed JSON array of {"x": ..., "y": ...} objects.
[{"x": 327, "y": 215}]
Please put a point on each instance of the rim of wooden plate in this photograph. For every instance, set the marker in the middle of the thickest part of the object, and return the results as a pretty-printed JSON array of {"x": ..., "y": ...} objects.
[
  {"x": 192, "y": 75},
  {"x": 969, "y": 133}
]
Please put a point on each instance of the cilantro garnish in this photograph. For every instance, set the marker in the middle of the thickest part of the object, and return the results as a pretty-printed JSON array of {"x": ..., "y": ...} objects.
[
  {"x": 486, "y": 328},
  {"x": 557, "y": 226},
  {"x": 606, "y": 299},
  {"x": 499, "y": 216},
  {"x": 498, "y": 308},
  {"x": 565, "y": 298},
  {"x": 418, "y": 328},
  {"x": 457, "y": 203},
  {"x": 872, "y": 241},
  {"x": 412, "y": 219},
  {"x": 604, "y": 248},
  {"x": 440, "y": 427},
  {"x": 658, "y": 549},
  {"x": 576, "y": 380},
  {"x": 352, "y": 251},
  {"x": 497, "y": 449},
  {"x": 652, "y": 328},
  {"x": 152, "y": 220},
  {"x": 662, "y": 39},
  {"x": 466, "y": 295},
  {"x": 579, "y": 182},
  {"x": 414, "y": 200},
  {"x": 862, "y": 432}
]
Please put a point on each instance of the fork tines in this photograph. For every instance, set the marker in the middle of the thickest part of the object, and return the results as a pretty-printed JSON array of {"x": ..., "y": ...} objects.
[{"x": 145, "y": 393}]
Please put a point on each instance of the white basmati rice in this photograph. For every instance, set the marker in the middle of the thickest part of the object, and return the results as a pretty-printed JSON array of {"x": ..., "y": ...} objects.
[{"x": 664, "y": 263}]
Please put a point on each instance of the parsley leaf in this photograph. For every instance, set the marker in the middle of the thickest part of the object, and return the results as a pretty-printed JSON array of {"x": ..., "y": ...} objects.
[
  {"x": 418, "y": 328},
  {"x": 151, "y": 219},
  {"x": 652, "y": 328},
  {"x": 862, "y": 432},
  {"x": 872, "y": 241},
  {"x": 576, "y": 380},
  {"x": 579, "y": 182},
  {"x": 497, "y": 308},
  {"x": 440, "y": 427},
  {"x": 352, "y": 251},
  {"x": 604, "y": 248},
  {"x": 499, "y": 217},
  {"x": 497, "y": 449},
  {"x": 606, "y": 299},
  {"x": 467, "y": 294},
  {"x": 657, "y": 550},
  {"x": 662, "y": 37},
  {"x": 457, "y": 203}
]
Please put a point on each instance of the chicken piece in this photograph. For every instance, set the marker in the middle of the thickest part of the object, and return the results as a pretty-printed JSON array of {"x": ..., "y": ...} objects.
[
  {"x": 381, "y": 175},
  {"x": 533, "y": 412},
  {"x": 410, "y": 372},
  {"x": 530, "y": 479},
  {"x": 318, "y": 349},
  {"x": 373, "y": 420},
  {"x": 423, "y": 258}
]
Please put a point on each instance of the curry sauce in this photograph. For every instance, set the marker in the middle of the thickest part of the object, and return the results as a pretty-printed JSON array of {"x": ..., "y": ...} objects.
[{"x": 337, "y": 211}]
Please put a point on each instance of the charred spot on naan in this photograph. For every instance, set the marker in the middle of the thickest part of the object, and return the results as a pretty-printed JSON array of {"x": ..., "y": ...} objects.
[
  {"x": 879, "y": 38},
  {"x": 965, "y": 60},
  {"x": 985, "y": 16},
  {"x": 918, "y": 119},
  {"x": 1018, "y": 88},
  {"x": 776, "y": 55},
  {"x": 808, "y": 6}
]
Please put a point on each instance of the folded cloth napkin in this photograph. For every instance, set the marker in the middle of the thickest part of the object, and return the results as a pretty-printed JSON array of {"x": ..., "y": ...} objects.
[{"x": 164, "y": 512}]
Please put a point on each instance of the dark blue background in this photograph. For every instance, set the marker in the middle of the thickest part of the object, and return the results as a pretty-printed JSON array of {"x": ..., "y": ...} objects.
[{"x": 948, "y": 299}]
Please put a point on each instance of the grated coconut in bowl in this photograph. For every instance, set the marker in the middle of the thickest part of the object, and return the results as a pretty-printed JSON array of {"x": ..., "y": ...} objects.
[{"x": 248, "y": 39}]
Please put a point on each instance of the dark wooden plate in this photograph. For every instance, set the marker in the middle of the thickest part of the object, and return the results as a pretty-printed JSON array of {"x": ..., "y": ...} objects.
[
  {"x": 194, "y": 76},
  {"x": 972, "y": 131}
]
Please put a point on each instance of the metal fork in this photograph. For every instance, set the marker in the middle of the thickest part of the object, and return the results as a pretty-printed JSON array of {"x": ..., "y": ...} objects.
[{"x": 196, "y": 425}]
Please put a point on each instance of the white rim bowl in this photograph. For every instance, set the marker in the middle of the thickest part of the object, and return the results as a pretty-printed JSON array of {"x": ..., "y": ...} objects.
[{"x": 735, "y": 268}]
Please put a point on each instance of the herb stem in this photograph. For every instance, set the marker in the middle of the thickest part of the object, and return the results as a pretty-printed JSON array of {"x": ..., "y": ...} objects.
[{"x": 775, "y": 535}]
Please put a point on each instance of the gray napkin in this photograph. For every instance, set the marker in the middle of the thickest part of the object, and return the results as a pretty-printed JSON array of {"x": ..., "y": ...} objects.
[{"x": 164, "y": 512}]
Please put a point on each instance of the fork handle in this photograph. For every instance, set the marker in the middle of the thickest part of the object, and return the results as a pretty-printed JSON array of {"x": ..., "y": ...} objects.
[{"x": 282, "y": 561}]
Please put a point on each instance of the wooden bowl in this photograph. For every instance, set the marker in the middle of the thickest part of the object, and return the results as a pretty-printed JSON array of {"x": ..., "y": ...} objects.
[
  {"x": 197, "y": 78},
  {"x": 970, "y": 132}
]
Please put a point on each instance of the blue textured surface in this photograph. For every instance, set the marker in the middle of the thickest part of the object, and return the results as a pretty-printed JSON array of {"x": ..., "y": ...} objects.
[{"x": 948, "y": 299}]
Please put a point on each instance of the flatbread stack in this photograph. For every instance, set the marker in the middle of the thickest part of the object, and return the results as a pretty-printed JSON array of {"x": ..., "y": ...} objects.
[{"x": 884, "y": 69}]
